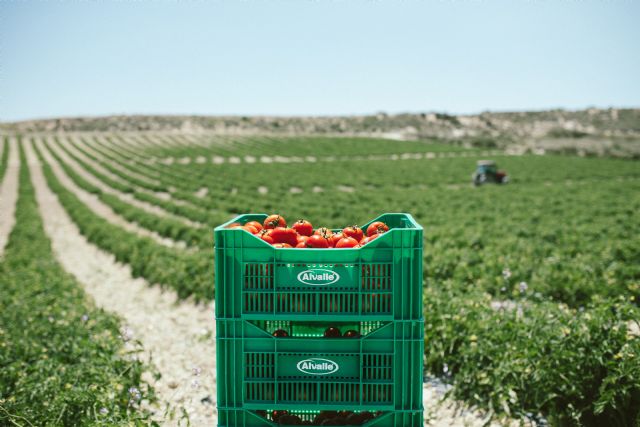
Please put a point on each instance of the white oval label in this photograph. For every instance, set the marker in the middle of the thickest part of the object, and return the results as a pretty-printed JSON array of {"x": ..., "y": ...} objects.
[
  {"x": 317, "y": 366},
  {"x": 318, "y": 277}
]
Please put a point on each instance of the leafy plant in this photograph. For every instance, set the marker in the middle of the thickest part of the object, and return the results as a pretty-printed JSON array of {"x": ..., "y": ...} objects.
[{"x": 62, "y": 359}]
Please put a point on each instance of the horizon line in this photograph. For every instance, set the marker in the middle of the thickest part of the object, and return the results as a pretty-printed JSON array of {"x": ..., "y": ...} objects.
[{"x": 318, "y": 116}]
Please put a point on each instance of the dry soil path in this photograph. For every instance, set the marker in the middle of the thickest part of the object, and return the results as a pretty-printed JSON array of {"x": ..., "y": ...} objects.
[
  {"x": 440, "y": 412},
  {"x": 9, "y": 193},
  {"x": 178, "y": 337}
]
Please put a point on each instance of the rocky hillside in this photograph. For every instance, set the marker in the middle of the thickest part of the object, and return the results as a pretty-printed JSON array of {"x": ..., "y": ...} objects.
[{"x": 592, "y": 131}]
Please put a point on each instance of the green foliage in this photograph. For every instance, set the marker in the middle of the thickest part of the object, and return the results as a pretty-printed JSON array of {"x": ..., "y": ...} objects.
[
  {"x": 4, "y": 159},
  {"x": 118, "y": 172},
  {"x": 190, "y": 274},
  {"x": 61, "y": 358},
  {"x": 166, "y": 227},
  {"x": 514, "y": 267},
  {"x": 577, "y": 367},
  {"x": 297, "y": 146},
  {"x": 117, "y": 185},
  {"x": 198, "y": 211}
]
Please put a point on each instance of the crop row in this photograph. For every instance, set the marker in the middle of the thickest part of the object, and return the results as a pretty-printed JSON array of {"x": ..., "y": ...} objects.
[
  {"x": 525, "y": 223},
  {"x": 145, "y": 193},
  {"x": 191, "y": 179},
  {"x": 164, "y": 226},
  {"x": 193, "y": 213},
  {"x": 63, "y": 361},
  {"x": 227, "y": 189},
  {"x": 190, "y": 274},
  {"x": 222, "y": 179},
  {"x": 177, "y": 146},
  {"x": 4, "y": 159}
]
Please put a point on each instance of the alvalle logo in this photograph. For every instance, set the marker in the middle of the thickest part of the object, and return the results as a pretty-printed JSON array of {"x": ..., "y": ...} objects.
[
  {"x": 317, "y": 366},
  {"x": 318, "y": 277}
]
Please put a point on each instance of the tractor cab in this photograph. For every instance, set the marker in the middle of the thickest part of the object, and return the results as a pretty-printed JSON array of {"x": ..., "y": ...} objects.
[{"x": 487, "y": 173}]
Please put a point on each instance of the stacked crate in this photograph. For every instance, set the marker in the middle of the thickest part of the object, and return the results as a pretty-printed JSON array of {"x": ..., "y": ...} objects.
[{"x": 281, "y": 320}]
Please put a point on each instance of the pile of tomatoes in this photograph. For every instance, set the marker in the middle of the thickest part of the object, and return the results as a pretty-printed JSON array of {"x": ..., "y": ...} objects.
[{"x": 301, "y": 234}]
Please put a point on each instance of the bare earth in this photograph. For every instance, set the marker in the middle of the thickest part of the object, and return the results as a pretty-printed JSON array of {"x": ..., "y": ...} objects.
[{"x": 9, "y": 194}]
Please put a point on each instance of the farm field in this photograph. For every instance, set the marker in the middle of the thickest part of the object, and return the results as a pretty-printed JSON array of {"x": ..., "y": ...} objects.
[{"x": 531, "y": 289}]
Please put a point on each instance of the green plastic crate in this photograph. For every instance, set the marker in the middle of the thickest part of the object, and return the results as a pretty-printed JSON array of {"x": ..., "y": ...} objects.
[
  {"x": 379, "y": 371},
  {"x": 381, "y": 281},
  {"x": 247, "y": 418}
]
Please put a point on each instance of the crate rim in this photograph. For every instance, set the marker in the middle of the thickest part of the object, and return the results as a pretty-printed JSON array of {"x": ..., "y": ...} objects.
[{"x": 262, "y": 216}]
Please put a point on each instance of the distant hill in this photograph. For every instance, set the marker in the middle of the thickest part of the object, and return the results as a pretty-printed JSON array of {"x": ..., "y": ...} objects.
[{"x": 592, "y": 131}]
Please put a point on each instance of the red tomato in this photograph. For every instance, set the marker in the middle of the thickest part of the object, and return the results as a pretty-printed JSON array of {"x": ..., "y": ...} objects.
[
  {"x": 277, "y": 414},
  {"x": 377, "y": 227},
  {"x": 353, "y": 231},
  {"x": 274, "y": 221},
  {"x": 255, "y": 224},
  {"x": 368, "y": 239},
  {"x": 324, "y": 416},
  {"x": 266, "y": 236},
  {"x": 317, "y": 241},
  {"x": 335, "y": 238},
  {"x": 250, "y": 228},
  {"x": 285, "y": 235},
  {"x": 332, "y": 332},
  {"x": 303, "y": 227},
  {"x": 280, "y": 333},
  {"x": 282, "y": 245},
  {"x": 352, "y": 334},
  {"x": 301, "y": 245},
  {"x": 234, "y": 225},
  {"x": 324, "y": 231},
  {"x": 302, "y": 239},
  {"x": 347, "y": 242}
]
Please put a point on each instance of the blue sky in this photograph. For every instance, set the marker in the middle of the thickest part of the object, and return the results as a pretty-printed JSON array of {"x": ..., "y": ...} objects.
[{"x": 315, "y": 57}]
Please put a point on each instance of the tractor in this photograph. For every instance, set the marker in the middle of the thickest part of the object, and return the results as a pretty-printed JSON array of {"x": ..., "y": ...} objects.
[{"x": 487, "y": 173}]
